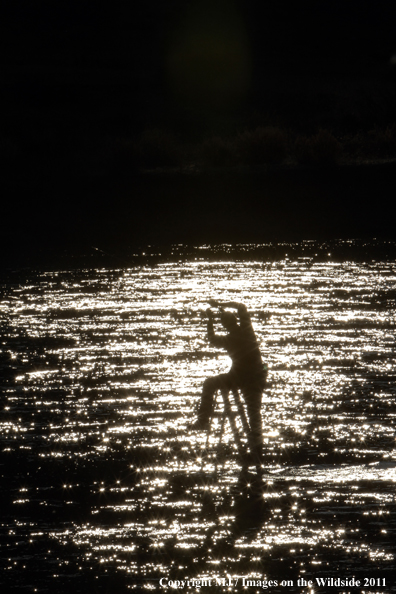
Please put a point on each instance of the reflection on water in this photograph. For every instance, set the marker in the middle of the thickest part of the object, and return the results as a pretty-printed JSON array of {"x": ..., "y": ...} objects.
[{"x": 106, "y": 488}]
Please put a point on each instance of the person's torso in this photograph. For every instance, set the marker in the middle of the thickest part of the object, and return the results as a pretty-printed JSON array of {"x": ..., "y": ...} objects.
[{"x": 244, "y": 351}]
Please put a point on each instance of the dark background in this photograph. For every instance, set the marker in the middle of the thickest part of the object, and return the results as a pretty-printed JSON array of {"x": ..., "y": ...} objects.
[
  {"x": 82, "y": 80},
  {"x": 104, "y": 65}
]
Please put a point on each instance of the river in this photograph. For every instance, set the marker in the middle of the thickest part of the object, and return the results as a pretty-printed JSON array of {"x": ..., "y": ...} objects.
[{"x": 106, "y": 488}]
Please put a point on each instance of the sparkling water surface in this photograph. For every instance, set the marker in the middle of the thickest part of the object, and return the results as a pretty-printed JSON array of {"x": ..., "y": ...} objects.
[{"x": 106, "y": 488}]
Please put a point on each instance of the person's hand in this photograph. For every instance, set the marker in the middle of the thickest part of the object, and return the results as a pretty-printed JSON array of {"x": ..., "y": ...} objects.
[{"x": 213, "y": 302}]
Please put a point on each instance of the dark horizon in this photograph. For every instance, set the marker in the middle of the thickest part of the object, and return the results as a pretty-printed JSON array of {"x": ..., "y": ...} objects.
[
  {"x": 124, "y": 54},
  {"x": 85, "y": 85}
]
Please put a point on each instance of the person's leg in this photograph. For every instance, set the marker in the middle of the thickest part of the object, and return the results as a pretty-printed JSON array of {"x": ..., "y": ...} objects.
[
  {"x": 253, "y": 396},
  {"x": 210, "y": 387}
]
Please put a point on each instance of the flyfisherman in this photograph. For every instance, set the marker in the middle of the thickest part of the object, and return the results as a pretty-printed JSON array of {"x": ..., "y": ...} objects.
[{"x": 247, "y": 371}]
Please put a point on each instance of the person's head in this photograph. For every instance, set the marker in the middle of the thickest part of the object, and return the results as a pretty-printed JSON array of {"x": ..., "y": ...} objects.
[{"x": 228, "y": 320}]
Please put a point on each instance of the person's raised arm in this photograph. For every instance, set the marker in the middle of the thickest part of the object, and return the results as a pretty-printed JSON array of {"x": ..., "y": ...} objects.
[
  {"x": 213, "y": 339},
  {"x": 243, "y": 314},
  {"x": 221, "y": 304}
]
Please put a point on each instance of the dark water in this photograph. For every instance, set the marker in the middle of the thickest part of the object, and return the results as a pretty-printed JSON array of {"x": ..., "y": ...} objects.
[{"x": 104, "y": 487}]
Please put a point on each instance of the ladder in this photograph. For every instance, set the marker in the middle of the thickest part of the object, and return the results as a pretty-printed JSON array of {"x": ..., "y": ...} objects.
[{"x": 230, "y": 415}]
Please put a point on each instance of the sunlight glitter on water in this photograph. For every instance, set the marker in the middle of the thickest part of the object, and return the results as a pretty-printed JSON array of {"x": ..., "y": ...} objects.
[{"x": 106, "y": 372}]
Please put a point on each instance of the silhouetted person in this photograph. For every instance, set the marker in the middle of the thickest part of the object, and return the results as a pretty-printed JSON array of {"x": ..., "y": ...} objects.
[{"x": 247, "y": 372}]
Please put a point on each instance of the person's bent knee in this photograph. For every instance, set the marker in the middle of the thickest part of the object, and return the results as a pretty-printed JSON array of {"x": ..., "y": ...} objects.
[{"x": 217, "y": 382}]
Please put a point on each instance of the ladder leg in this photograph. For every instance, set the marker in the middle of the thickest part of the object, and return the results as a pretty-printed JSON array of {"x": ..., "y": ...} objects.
[
  {"x": 220, "y": 439},
  {"x": 254, "y": 446},
  {"x": 228, "y": 411},
  {"x": 242, "y": 414},
  {"x": 208, "y": 434}
]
